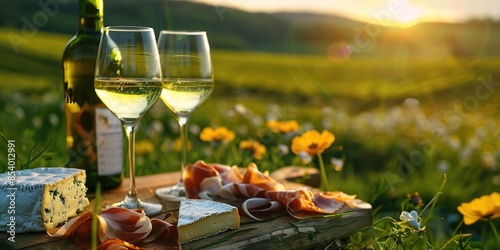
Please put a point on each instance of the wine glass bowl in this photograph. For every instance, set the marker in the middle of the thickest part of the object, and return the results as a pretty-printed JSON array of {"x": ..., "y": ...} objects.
[
  {"x": 187, "y": 82},
  {"x": 128, "y": 81}
]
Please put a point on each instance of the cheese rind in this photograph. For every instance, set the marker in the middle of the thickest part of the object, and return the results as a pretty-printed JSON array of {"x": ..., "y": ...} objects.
[
  {"x": 202, "y": 218},
  {"x": 40, "y": 199}
]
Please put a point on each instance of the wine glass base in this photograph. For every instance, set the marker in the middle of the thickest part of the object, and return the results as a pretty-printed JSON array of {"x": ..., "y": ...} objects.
[
  {"x": 172, "y": 193},
  {"x": 150, "y": 209}
]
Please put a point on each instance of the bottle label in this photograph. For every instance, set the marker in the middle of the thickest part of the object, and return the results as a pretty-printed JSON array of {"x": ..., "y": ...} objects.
[{"x": 109, "y": 141}]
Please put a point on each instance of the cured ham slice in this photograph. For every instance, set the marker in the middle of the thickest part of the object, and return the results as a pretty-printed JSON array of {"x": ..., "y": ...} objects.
[
  {"x": 258, "y": 179},
  {"x": 301, "y": 203},
  {"x": 112, "y": 244},
  {"x": 194, "y": 176},
  {"x": 119, "y": 227},
  {"x": 258, "y": 192}
]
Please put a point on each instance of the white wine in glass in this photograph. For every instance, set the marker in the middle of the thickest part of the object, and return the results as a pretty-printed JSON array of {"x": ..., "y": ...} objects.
[
  {"x": 128, "y": 81},
  {"x": 187, "y": 81},
  {"x": 128, "y": 99}
]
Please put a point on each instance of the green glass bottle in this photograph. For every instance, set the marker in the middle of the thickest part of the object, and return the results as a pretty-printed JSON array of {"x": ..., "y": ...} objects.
[{"x": 93, "y": 134}]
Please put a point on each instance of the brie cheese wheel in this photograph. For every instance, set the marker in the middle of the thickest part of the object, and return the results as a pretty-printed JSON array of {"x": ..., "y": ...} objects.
[
  {"x": 40, "y": 199},
  {"x": 202, "y": 218}
]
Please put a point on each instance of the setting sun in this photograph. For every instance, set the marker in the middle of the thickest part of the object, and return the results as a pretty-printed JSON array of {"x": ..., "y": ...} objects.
[
  {"x": 410, "y": 12},
  {"x": 399, "y": 13},
  {"x": 407, "y": 16}
]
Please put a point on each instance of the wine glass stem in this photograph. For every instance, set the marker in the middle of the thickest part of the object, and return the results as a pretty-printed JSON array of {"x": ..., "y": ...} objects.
[
  {"x": 132, "y": 191},
  {"x": 183, "y": 120}
]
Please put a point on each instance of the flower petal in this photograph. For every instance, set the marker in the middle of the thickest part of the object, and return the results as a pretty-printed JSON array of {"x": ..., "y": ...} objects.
[
  {"x": 495, "y": 199},
  {"x": 312, "y": 142},
  {"x": 479, "y": 208}
]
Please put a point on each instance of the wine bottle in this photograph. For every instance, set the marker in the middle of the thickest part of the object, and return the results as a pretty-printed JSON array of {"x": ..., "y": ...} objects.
[{"x": 93, "y": 134}]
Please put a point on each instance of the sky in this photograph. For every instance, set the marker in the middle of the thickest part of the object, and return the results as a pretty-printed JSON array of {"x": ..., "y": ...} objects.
[{"x": 399, "y": 12}]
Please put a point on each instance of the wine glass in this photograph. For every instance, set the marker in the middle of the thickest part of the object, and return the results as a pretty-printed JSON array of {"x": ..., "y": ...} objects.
[
  {"x": 128, "y": 81},
  {"x": 188, "y": 80}
]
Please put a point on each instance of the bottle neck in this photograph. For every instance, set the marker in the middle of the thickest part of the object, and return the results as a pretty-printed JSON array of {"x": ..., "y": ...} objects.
[{"x": 90, "y": 16}]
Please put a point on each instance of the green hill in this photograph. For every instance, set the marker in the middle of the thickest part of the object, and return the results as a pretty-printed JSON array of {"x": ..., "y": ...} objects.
[
  {"x": 289, "y": 57},
  {"x": 362, "y": 82},
  {"x": 239, "y": 30}
]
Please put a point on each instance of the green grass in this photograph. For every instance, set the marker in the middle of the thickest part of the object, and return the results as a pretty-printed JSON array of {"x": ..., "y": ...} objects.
[{"x": 390, "y": 147}]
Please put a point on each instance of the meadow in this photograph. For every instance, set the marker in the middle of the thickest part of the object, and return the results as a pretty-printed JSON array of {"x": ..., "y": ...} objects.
[{"x": 401, "y": 125}]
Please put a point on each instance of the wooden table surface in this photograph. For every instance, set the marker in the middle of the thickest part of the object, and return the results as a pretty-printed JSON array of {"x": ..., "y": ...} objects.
[{"x": 276, "y": 233}]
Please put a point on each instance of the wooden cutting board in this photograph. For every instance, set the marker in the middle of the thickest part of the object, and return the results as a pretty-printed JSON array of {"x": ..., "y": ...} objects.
[{"x": 280, "y": 231}]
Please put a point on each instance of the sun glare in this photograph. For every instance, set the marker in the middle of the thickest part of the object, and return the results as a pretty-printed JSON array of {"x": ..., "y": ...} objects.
[{"x": 406, "y": 15}]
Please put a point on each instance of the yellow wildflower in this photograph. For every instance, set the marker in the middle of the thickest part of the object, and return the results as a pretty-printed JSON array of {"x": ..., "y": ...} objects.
[
  {"x": 483, "y": 208},
  {"x": 258, "y": 150},
  {"x": 144, "y": 147},
  {"x": 283, "y": 126},
  {"x": 218, "y": 134},
  {"x": 312, "y": 142},
  {"x": 177, "y": 145}
]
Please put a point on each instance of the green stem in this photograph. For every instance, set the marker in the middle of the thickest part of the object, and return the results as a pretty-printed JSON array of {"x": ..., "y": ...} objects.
[
  {"x": 433, "y": 202},
  {"x": 324, "y": 181},
  {"x": 236, "y": 156},
  {"x": 218, "y": 151},
  {"x": 95, "y": 220},
  {"x": 495, "y": 234},
  {"x": 456, "y": 229}
]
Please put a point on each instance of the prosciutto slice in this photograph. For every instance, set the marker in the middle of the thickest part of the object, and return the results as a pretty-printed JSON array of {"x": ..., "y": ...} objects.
[
  {"x": 120, "y": 228},
  {"x": 258, "y": 193}
]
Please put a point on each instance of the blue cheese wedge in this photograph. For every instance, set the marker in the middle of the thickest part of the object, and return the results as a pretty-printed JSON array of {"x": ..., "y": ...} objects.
[
  {"x": 40, "y": 199},
  {"x": 202, "y": 218}
]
